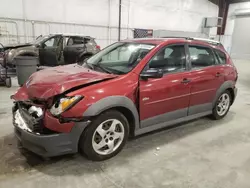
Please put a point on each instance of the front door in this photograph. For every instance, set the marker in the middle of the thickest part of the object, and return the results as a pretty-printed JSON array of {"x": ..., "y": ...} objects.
[
  {"x": 167, "y": 98},
  {"x": 206, "y": 77},
  {"x": 49, "y": 51}
]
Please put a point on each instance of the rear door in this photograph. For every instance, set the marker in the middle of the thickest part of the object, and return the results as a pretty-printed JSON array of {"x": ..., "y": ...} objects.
[
  {"x": 167, "y": 98},
  {"x": 73, "y": 49},
  {"x": 207, "y": 75}
]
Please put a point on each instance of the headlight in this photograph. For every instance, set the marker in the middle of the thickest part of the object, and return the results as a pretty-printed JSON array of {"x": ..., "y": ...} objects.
[{"x": 64, "y": 104}]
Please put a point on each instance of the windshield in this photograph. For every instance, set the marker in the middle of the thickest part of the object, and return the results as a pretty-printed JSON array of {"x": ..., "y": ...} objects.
[
  {"x": 40, "y": 39},
  {"x": 121, "y": 57}
]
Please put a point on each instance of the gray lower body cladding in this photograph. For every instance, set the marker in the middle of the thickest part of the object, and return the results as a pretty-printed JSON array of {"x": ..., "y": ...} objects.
[{"x": 50, "y": 145}]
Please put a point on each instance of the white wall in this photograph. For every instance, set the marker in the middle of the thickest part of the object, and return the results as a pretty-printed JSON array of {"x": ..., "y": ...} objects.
[
  {"x": 233, "y": 10},
  {"x": 182, "y": 15}
]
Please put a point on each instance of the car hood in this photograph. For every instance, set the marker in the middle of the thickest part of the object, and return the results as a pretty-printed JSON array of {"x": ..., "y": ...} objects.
[
  {"x": 13, "y": 46},
  {"x": 53, "y": 81}
]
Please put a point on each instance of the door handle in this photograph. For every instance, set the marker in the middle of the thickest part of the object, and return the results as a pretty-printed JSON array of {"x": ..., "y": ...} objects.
[
  {"x": 185, "y": 81},
  {"x": 218, "y": 74},
  {"x": 78, "y": 48}
]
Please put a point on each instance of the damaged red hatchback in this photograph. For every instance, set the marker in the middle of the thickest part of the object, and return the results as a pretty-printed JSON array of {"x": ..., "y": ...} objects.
[{"x": 127, "y": 89}]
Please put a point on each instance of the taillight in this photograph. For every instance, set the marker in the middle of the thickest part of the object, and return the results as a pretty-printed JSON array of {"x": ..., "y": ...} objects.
[{"x": 98, "y": 47}]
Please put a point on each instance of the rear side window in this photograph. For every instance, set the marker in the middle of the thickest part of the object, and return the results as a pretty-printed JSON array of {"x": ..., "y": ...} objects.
[
  {"x": 170, "y": 59},
  {"x": 76, "y": 40},
  {"x": 201, "y": 56},
  {"x": 221, "y": 56}
]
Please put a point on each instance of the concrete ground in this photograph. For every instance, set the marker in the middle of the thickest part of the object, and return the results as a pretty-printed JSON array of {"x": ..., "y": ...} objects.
[{"x": 202, "y": 153}]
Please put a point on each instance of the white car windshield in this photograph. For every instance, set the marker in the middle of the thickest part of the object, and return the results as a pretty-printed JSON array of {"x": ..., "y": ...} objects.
[{"x": 120, "y": 58}]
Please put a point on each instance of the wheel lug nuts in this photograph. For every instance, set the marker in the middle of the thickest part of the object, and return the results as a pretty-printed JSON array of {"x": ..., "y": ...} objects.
[{"x": 106, "y": 140}]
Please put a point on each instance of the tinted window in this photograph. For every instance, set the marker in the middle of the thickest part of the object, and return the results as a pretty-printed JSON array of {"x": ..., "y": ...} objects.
[
  {"x": 222, "y": 58},
  {"x": 170, "y": 59},
  {"x": 76, "y": 40},
  {"x": 201, "y": 56}
]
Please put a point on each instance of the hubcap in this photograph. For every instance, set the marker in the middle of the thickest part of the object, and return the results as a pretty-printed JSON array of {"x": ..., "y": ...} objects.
[
  {"x": 108, "y": 137},
  {"x": 223, "y": 104}
]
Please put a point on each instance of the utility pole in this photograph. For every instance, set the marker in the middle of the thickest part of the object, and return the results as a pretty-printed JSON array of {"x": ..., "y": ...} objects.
[{"x": 120, "y": 17}]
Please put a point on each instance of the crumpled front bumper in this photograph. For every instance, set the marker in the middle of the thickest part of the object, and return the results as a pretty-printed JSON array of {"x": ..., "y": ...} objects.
[
  {"x": 53, "y": 144},
  {"x": 49, "y": 144}
]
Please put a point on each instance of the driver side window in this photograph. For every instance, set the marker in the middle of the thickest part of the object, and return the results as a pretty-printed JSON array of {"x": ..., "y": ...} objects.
[{"x": 170, "y": 59}]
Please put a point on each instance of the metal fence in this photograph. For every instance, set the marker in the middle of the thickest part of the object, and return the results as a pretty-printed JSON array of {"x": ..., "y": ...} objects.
[{"x": 22, "y": 31}]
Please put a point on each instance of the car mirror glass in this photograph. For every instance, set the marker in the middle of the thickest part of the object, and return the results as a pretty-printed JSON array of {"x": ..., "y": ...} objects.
[{"x": 152, "y": 73}]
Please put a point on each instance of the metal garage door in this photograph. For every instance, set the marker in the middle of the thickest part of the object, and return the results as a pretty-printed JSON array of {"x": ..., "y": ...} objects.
[{"x": 241, "y": 38}]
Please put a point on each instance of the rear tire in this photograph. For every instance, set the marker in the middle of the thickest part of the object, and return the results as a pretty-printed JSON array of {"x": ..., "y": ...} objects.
[
  {"x": 105, "y": 136},
  {"x": 222, "y": 105}
]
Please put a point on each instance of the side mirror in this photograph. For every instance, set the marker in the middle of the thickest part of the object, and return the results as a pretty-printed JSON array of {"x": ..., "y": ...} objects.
[{"x": 152, "y": 73}]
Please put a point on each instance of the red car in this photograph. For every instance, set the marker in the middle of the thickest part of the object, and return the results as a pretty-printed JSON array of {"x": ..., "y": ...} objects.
[{"x": 127, "y": 89}]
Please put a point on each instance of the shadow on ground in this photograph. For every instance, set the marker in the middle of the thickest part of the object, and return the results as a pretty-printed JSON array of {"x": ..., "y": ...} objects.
[{"x": 15, "y": 159}]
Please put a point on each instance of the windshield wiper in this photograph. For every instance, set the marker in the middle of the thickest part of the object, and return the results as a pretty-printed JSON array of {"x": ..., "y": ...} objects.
[
  {"x": 103, "y": 68},
  {"x": 85, "y": 62},
  {"x": 88, "y": 64}
]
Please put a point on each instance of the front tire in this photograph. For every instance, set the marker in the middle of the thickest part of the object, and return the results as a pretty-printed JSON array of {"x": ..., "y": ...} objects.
[
  {"x": 222, "y": 105},
  {"x": 105, "y": 136}
]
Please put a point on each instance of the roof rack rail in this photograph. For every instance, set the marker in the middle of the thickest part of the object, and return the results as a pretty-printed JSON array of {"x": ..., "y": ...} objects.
[
  {"x": 214, "y": 42},
  {"x": 188, "y": 38},
  {"x": 208, "y": 41}
]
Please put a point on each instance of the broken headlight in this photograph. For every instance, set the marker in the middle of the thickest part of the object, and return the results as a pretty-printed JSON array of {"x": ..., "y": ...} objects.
[{"x": 63, "y": 104}]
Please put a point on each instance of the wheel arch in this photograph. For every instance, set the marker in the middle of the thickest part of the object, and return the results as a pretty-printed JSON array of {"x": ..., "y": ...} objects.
[
  {"x": 21, "y": 53},
  {"x": 28, "y": 54},
  {"x": 120, "y": 103},
  {"x": 232, "y": 94},
  {"x": 228, "y": 85}
]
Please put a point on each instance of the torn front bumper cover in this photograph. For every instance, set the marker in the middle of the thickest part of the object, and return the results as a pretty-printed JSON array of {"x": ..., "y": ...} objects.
[{"x": 47, "y": 145}]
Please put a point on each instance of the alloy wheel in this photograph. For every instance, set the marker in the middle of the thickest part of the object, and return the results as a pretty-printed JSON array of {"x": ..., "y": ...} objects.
[
  {"x": 108, "y": 137},
  {"x": 223, "y": 104}
]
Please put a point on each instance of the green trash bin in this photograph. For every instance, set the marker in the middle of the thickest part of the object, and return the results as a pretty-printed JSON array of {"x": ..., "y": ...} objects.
[{"x": 25, "y": 67}]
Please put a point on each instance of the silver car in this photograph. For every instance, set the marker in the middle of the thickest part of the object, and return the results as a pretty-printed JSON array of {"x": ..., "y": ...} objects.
[{"x": 54, "y": 49}]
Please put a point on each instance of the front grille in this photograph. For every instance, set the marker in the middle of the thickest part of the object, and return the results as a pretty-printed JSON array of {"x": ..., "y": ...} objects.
[{"x": 34, "y": 122}]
